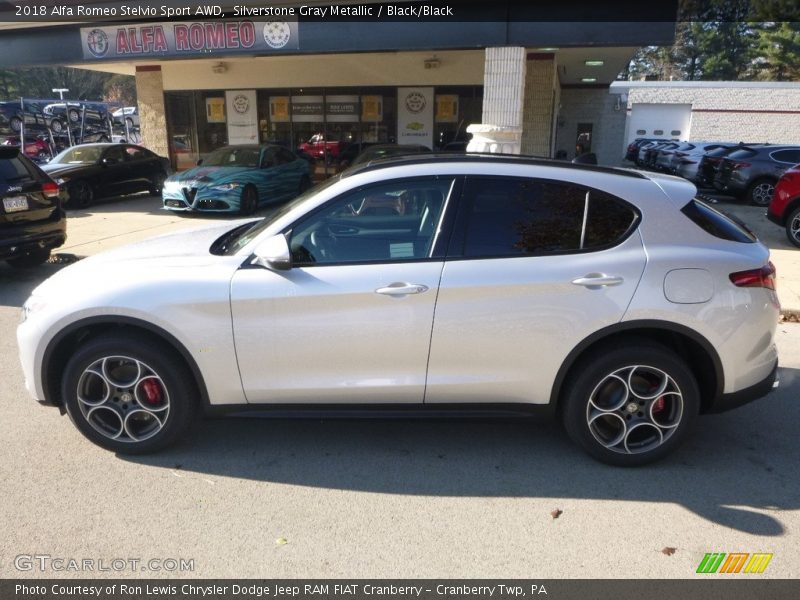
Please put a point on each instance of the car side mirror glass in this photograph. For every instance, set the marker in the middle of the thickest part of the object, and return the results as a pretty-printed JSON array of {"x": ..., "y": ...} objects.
[{"x": 274, "y": 253}]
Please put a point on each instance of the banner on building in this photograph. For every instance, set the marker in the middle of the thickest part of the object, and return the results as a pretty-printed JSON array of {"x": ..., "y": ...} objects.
[
  {"x": 341, "y": 109},
  {"x": 415, "y": 116},
  {"x": 200, "y": 38},
  {"x": 372, "y": 108},
  {"x": 242, "y": 116},
  {"x": 279, "y": 109},
  {"x": 447, "y": 108},
  {"x": 215, "y": 110},
  {"x": 308, "y": 109}
]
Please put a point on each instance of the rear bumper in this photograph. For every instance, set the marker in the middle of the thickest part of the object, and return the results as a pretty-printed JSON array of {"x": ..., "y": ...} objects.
[
  {"x": 736, "y": 399},
  {"x": 44, "y": 234}
]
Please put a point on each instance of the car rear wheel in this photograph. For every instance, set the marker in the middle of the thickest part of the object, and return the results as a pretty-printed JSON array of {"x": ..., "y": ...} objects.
[
  {"x": 630, "y": 405},
  {"x": 81, "y": 194},
  {"x": 128, "y": 394},
  {"x": 793, "y": 227},
  {"x": 56, "y": 126},
  {"x": 32, "y": 258},
  {"x": 248, "y": 203},
  {"x": 16, "y": 124},
  {"x": 74, "y": 115},
  {"x": 760, "y": 192}
]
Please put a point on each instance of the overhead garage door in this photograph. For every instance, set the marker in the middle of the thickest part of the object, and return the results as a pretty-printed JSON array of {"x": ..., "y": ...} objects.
[{"x": 671, "y": 121}]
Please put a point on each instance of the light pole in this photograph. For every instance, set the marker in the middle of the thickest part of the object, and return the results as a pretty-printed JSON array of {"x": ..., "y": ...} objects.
[{"x": 60, "y": 92}]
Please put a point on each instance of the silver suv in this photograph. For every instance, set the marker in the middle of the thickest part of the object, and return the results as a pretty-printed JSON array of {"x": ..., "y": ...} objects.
[{"x": 610, "y": 298}]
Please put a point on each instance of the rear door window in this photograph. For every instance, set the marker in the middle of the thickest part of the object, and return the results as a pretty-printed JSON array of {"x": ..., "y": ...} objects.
[{"x": 506, "y": 217}]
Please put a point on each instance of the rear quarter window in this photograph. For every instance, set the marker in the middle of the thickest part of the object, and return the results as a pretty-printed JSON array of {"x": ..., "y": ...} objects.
[
  {"x": 742, "y": 153},
  {"x": 716, "y": 223}
]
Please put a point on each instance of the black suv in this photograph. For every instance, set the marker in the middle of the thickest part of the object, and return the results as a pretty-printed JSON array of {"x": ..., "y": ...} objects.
[
  {"x": 32, "y": 221},
  {"x": 751, "y": 172}
]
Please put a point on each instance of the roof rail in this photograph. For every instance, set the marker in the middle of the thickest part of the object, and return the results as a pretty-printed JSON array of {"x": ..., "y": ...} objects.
[{"x": 477, "y": 157}]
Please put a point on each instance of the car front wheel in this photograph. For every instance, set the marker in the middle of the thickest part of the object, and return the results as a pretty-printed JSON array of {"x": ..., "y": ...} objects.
[
  {"x": 248, "y": 203},
  {"x": 760, "y": 192},
  {"x": 630, "y": 405},
  {"x": 793, "y": 227},
  {"x": 128, "y": 394}
]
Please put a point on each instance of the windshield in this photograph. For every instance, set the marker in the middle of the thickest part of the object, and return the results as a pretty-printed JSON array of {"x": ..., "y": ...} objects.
[
  {"x": 233, "y": 156},
  {"x": 79, "y": 155},
  {"x": 237, "y": 238}
]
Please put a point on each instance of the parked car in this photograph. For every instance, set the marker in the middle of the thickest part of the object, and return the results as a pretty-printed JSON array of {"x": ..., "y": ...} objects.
[
  {"x": 652, "y": 153},
  {"x": 349, "y": 154},
  {"x": 632, "y": 151},
  {"x": 238, "y": 179},
  {"x": 709, "y": 163},
  {"x": 685, "y": 162},
  {"x": 37, "y": 148},
  {"x": 320, "y": 147},
  {"x": 664, "y": 157},
  {"x": 14, "y": 113},
  {"x": 557, "y": 288},
  {"x": 379, "y": 151},
  {"x": 32, "y": 221},
  {"x": 92, "y": 171},
  {"x": 784, "y": 209},
  {"x": 128, "y": 115},
  {"x": 646, "y": 149},
  {"x": 751, "y": 172},
  {"x": 61, "y": 115}
]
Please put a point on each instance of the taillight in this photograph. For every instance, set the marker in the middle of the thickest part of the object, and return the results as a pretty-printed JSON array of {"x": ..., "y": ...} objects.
[
  {"x": 763, "y": 277},
  {"x": 50, "y": 189}
]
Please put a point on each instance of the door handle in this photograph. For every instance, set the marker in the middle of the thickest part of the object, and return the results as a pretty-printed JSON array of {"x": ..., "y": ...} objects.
[
  {"x": 595, "y": 281},
  {"x": 402, "y": 289}
]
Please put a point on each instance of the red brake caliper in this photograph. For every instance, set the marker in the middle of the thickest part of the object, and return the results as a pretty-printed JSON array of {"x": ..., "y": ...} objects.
[
  {"x": 152, "y": 391},
  {"x": 658, "y": 405}
]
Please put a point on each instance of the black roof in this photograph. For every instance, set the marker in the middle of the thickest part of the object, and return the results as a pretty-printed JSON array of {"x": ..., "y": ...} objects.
[{"x": 475, "y": 157}]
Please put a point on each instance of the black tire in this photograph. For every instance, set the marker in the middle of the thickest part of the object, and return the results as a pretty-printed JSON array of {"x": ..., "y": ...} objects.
[
  {"x": 621, "y": 429},
  {"x": 760, "y": 192},
  {"x": 793, "y": 227},
  {"x": 157, "y": 184},
  {"x": 129, "y": 123},
  {"x": 73, "y": 115},
  {"x": 32, "y": 258},
  {"x": 305, "y": 184},
  {"x": 147, "y": 419},
  {"x": 56, "y": 126},
  {"x": 248, "y": 204},
  {"x": 16, "y": 124},
  {"x": 80, "y": 193}
]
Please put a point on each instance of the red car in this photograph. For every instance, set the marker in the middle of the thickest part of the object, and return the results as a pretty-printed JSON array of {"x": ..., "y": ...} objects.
[
  {"x": 36, "y": 148},
  {"x": 785, "y": 206}
]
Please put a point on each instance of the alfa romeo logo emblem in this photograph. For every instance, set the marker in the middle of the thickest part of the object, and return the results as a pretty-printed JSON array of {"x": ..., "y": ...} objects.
[
  {"x": 415, "y": 102},
  {"x": 97, "y": 42},
  {"x": 241, "y": 103},
  {"x": 277, "y": 33}
]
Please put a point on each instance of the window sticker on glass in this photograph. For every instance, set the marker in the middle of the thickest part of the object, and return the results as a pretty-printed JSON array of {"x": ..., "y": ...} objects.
[{"x": 401, "y": 250}]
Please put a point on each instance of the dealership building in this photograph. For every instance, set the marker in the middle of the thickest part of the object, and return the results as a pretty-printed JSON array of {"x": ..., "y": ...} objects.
[{"x": 521, "y": 80}]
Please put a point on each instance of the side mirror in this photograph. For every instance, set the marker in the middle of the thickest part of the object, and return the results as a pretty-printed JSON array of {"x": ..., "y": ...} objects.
[{"x": 273, "y": 253}]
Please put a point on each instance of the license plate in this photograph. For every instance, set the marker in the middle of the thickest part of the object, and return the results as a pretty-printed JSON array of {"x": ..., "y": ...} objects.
[{"x": 15, "y": 203}]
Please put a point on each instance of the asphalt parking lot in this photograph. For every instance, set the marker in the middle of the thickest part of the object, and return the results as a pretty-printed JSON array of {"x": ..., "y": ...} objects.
[{"x": 373, "y": 499}]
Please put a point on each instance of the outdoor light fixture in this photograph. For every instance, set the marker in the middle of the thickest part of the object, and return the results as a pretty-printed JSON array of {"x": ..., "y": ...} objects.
[
  {"x": 594, "y": 63},
  {"x": 588, "y": 79}
]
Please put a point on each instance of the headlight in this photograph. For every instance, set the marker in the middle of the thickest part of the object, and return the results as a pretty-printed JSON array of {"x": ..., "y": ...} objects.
[
  {"x": 32, "y": 305},
  {"x": 226, "y": 187}
]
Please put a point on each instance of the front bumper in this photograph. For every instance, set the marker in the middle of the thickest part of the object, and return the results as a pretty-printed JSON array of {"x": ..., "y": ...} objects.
[{"x": 201, "y": 200}]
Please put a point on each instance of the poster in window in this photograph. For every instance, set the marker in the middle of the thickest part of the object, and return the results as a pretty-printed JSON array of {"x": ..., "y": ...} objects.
[
  {"x": 415, "y": 116},
  {"x": 447, "y": 108},
  {"x": 215, "y": 110},
  {"x": 242, "y": 113},
  {"x": 279, "y": 109},
  {"x": 372, "y": 108}
]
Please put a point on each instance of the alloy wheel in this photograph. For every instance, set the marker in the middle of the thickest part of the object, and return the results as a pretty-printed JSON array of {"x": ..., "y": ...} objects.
[{"x": 123, "y": 399}]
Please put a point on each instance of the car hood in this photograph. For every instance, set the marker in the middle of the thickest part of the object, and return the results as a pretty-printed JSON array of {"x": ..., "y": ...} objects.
[
  {"x": 202, "y": 175},
  {"x": 168, "y": 257}
]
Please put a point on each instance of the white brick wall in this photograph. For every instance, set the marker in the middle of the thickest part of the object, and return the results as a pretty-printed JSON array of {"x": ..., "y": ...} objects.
[
  {"x": 734, "y": 113},
  {"x": 598, "y": 107}
]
